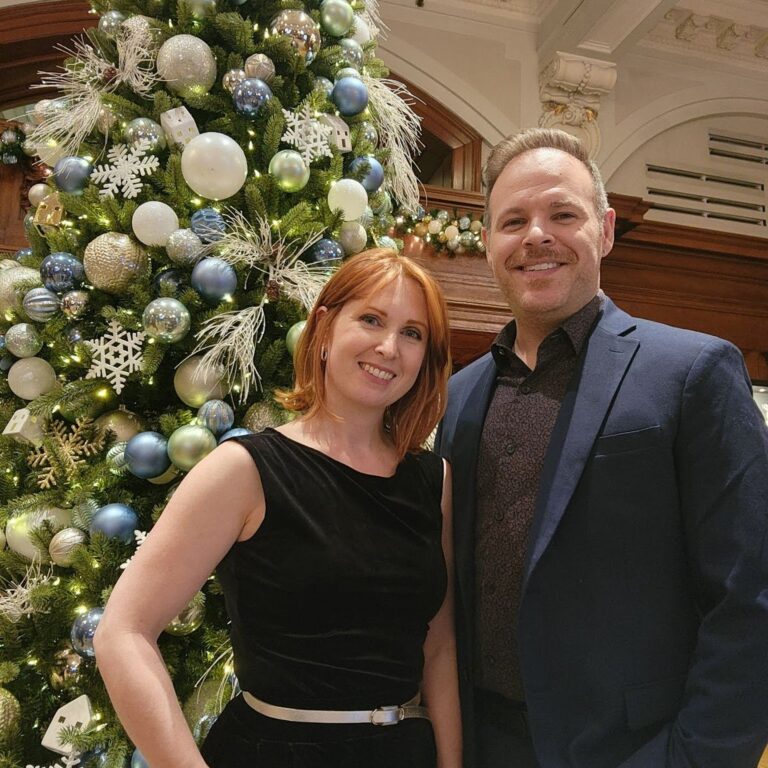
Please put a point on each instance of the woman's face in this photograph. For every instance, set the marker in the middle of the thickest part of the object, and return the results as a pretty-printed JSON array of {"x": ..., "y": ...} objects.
[{"x": 376, "y": 347}]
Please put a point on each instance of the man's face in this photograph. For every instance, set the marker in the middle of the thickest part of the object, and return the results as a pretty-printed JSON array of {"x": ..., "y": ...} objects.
[{"x": 545, "y": 241}]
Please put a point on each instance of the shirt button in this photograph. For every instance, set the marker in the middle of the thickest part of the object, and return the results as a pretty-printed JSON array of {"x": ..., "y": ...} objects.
[
  {"x": 525, "y": 389},
  {"x": 509, "y": 449}
]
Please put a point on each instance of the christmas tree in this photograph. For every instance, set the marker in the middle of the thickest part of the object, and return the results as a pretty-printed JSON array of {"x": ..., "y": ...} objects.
[{"x": 210, "y": 160}]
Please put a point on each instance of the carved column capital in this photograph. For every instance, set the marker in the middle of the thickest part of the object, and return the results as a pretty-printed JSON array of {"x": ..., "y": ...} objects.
[{"x": 570, "y": 88}]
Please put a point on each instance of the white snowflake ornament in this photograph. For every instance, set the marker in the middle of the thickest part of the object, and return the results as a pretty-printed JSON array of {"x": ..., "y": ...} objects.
[
  {"x": 126, "y": 165},
  {"x": 179, "y": 125},
  {"x": 340, "y": 136},
  {"x": 23, "y": 427},
  {"x": 116, "y": 355},
  {"x": 308, "y": 134},
  {"x": 140, "y": 537}
]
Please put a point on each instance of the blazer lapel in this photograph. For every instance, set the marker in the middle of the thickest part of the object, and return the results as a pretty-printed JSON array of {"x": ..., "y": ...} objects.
[{"x": 604, "y": 362}]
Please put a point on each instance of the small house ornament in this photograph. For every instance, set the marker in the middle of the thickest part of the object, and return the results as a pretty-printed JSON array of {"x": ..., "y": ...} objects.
[
  {"x": 179, "y": 125},
  {"x": 23, "y": 427},
  {"x": 49, "y": 213},
  {"x": 339, "y": 137},
  {"x": 76, "y": 714}
]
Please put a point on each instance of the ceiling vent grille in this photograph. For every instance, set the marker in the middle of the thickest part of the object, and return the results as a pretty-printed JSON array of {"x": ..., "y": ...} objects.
[{"x": 740, "y": 149}]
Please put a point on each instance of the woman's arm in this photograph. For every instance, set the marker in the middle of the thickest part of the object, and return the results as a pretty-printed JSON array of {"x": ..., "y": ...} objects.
[
  {"x": 220, "y": 501},
  {"x": 440, "y": 685}
]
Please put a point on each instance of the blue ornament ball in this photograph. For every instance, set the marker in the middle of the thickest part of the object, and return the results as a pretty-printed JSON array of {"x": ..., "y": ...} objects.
[
  {"x": 83, "y": 630},
  {"x": 387, "y": 242},
  {"x": 374, "y": 177},
  {"x": 324, "y": 250},
  {"x": 6, "y": 361},
  {"x": 146, "y": 455},
  {"x": 61, "y": 272},
  {"x": 350, "y": 95},
  {"x": 236, "y": 432},
  {"x": 168, "y": 282},
  {"x": 217, "y": 416},
  {"x": 214, "y": 279},
  {"x": 23, "y": 253},
  {"x": 208, "y": 225},
  {"x": 71, "y": 174},
  {"x": 40, "y": 304},
  {"x": 250, "y": 95},
  {"x": 137, "y": 760},
  {"x": 115, "y": 521}
]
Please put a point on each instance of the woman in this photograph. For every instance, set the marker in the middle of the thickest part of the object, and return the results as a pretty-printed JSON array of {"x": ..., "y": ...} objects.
[{"x": 331, "y": 535}]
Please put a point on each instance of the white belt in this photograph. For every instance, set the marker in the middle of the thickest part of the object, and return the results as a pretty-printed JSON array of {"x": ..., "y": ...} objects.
[{"x": 380, "y": 716}]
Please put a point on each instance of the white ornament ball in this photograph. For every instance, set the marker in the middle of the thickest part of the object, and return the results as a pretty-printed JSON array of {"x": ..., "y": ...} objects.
[
  {"x": 63, "y": 545},
  {"x": 31, "y": 377},
  {"x": 37, "y": 193},
  {"x": 194, "y": 385},
  {"x": 350, "y": 197},
  {"x": 19, "y": 528},
  {"x": 435, "y": 226},
  {"x": 50, "y": 152},
  {"x": 451, "y": 231},
  {"x": 187, "y": 64},
  {"x": 362, "y": 32},
  {"x": 352, "y": 237},
  {"x": 40, "y": 110},
  {"x": 214, "y": 165},
  {"x": 153, "y": 222}
]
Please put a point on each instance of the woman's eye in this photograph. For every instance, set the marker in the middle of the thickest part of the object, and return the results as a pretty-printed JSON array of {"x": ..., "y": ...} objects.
[
  {"x": 370, "y": 319},
  {"x": 413, "y": 333}
]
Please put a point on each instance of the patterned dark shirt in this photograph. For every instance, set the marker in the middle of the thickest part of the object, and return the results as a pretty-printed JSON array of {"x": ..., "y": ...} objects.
[{"x": 515, "y": 437}]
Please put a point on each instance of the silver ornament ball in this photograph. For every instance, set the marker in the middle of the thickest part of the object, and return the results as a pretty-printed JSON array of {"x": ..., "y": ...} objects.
[
  {"x": 187, "y": 65},
  {"x": 144, "y": 128},
  {"x": 232, "y": 78},
  {"x": 110, "y": 22},
  {"x": 260, "y": 66},
  {"x": 184, "y": 247},
  {"x": 23, "y": 340},
  {"x": 63, "y": 545},
  {"x": 74, "y": 303},
  {"x": 166, "y": 319}
]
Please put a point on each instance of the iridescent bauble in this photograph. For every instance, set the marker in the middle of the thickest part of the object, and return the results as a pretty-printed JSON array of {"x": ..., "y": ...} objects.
[
  {"x": 214, "y": 279},
  {"x": 40, "y": 304},
  {"x": 166, "y": 320},
  {"x": 190, "y": 619},
  {"x": 352, "y": 52},
  {"x": 115, "y": 521},
  {"x": 387, "y": 242},
  {"x": 63, "y": 545},
  {"x": 350, "y": 95},
  {"x": 187, "y": 64},
  {"x": 214, "y": 165},
  {"x": 114, "y": 261},
  {"x": 83, "y": 630},
  {"x": 464, "y": 223},
  {"x": 194, "y": 383},
  {"x": 301, "y": 29},
  {"x": 31, "y": 377},
  {"x": 374, "y": 176},
  {"x": 65, "y": 672},
  {"x": 293, "y": 335},
  {"x": 110, "y": 22},
  {"x": 23, "y": 340},
  {"x": 208, "y": 224},
  {"x": 323, "y": 84},
  {"x": 353, "y": 237},
  {"x": 61, "y": 272},
  {"x": 368, "y": 133},
  {"x": 14, "y": 283},
  {"x": 260, "y": 66},
  {"x": 147, "y": 455},
  {"x": 466, "y": 239},
  {"x": 144, "y": 128},
  {"x": 262, "y": 415},
  {"x": 216, "y": 416},
  {"x": 236, "y": 432},
  {"x": 324, "y": 251},
  {"x": 71, "y": 174},
  {"x": 201, "y": 8},
  {"x": 189, "y": 445},
  {"x": 116, "y": 458},
  {"x": 346, "y": 72},
  {"x": 153, "y": 222},
  {"x": 10, "y": 716},
  {"x": 348, "y": 196},
  {"x": 74, "y": 303},
  {"x": 336, "y": 17},
  {"x": 250, "y": 96},
  {"x": 38, "y": 192},
  {"x": 19, "y": 530},
  {"x": 231, "y": 78},
  {"x": 289, "y": 170},
  {"x": 184, "y": 247},
  {"x": 122, "y": 425}
]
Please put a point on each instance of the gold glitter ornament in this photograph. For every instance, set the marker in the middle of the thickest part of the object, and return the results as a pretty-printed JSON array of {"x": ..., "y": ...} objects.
[
  {"x": 232, "y": 78},
  {"x": 302, "y": 31},
  {"x": 74, "y": 303},
  {"x": 65, "y": 672},
  {"x": 10, "y": 716},
  {"x": 262, "y": 415},
  {"x": 113, "y": 261}
]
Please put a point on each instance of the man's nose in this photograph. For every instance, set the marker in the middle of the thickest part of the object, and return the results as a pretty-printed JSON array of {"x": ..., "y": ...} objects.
[{"x": 538, "y": 234}]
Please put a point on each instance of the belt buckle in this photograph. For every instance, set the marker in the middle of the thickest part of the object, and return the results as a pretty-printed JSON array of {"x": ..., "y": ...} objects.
[{"x": 391, "y": 715}]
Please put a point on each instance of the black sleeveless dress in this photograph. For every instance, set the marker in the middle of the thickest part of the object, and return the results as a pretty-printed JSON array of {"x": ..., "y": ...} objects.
[{"x": 329, "y": 604}]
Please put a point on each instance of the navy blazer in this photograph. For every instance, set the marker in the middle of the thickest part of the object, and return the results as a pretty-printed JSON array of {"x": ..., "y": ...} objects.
[{"x": 643, "y": 623}]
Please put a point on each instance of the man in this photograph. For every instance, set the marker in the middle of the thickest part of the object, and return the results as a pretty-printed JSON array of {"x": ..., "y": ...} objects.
[{"x": 611, "y": 499}]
